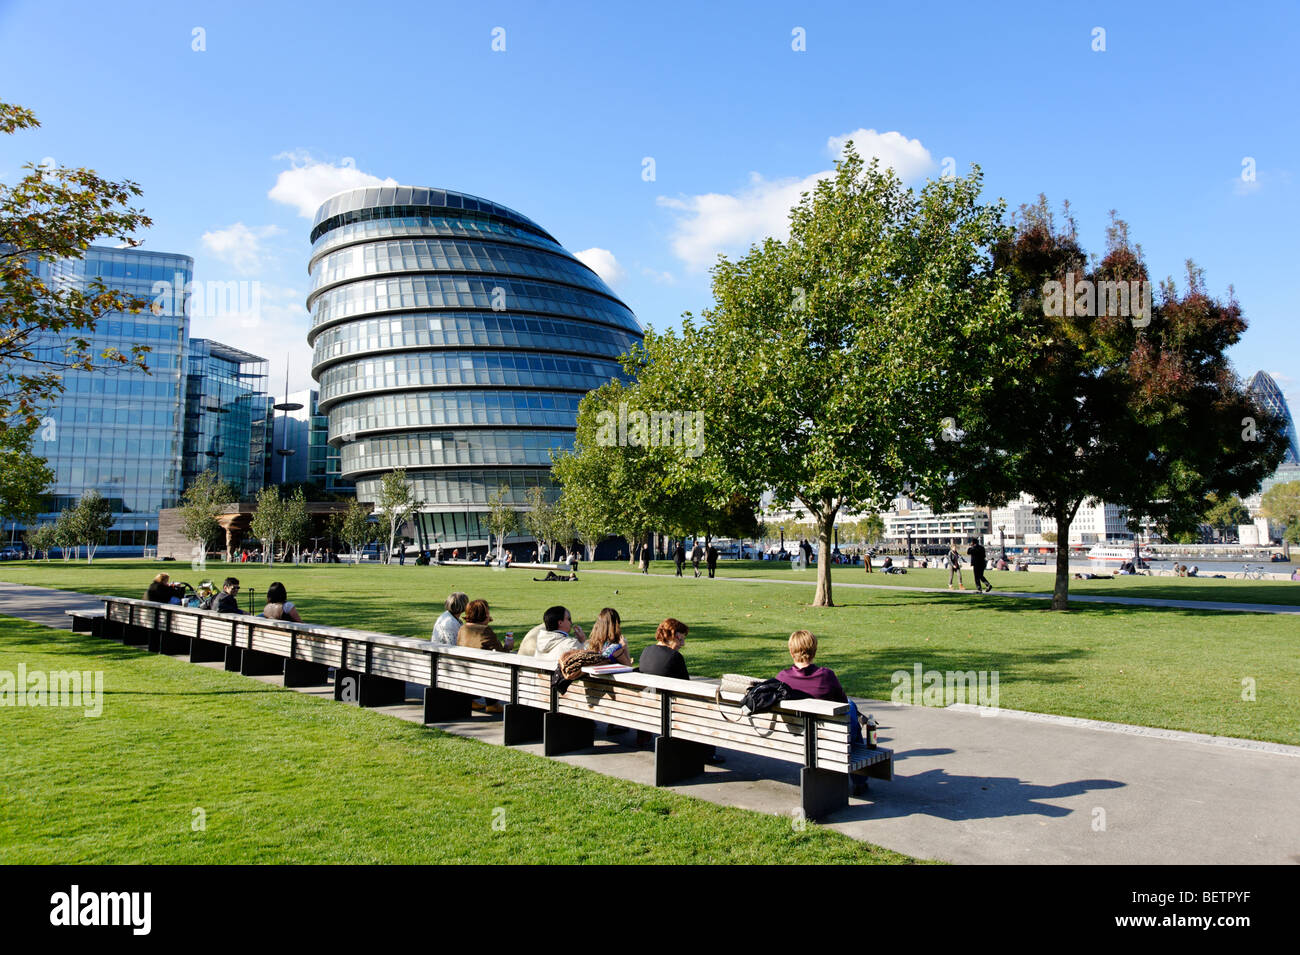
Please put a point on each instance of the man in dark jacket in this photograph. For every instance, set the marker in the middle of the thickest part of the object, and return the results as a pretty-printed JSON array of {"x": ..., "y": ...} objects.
[
  {"x": 679, "y": 558},
  {"x": 712, "y": 559},
  {"x": 228, "y": 600},
  {"x": 978, "y": 561}
]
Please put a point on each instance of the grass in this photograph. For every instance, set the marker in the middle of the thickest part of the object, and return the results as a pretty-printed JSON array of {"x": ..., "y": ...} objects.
[
  {"x": 281, "y": 777},
  {"x": 1162, "y": 667}
]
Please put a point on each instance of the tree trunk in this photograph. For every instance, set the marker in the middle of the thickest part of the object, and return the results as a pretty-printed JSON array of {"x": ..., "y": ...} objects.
[
  {"x": 825, "y": 528},
  {"x": 1061, "y": 589}
]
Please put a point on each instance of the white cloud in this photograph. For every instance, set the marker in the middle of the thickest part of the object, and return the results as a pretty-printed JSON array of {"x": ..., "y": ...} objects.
[
  {"x": 717, "y": 222},
  {"x": 238, "y": 245},
  {"x": 907, "y": 157},
  {"x": 603, "y": 263},
  {"x": 729, "y": 223},
  {"x": 661, "y": 278},
  {"x": 270, "y": 321},
  {"x": 310, "y": 182}
]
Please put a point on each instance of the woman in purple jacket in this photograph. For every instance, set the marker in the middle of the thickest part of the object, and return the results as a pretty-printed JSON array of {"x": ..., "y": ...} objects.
[{"x": 819, "y": 683}]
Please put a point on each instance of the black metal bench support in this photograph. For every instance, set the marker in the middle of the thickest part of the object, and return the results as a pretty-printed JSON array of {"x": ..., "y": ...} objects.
[
  {"x": 562, "y": 733},
  {"x": 822, "y": 792},
  {"x": 677, "y": 759},
  {"x": 366, "y": 689},
  {"x": 305, "y": 673},
  {"x": 234, "y": 658},
  {"x": 260, "y": 663},
  {"x": 173, "y": 644},
  {"x": 523, "y": 724},
  {"x": 444, "y": 706},
  {"x": 205, "y": 651}
]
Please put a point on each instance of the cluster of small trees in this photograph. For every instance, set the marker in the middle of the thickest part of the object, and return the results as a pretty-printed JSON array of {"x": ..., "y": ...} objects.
[{"x": 86, "y": 524}]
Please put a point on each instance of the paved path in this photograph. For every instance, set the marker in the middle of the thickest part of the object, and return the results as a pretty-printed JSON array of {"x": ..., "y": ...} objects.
[
  {"x": 1028, "y": 595},
  {"x": 971, "y": 788}
]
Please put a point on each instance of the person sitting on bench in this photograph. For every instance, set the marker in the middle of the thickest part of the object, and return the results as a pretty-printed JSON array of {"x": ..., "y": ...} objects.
[
  {"x": 819, "y": 683},
  {"x": 228, "y": 600},
  {"x": 607, "y": 638},
  {"x": 163, "y": 592}
]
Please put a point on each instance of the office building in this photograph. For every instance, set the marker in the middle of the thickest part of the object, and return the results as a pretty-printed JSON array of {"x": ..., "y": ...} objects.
[
  {"x": 117, "y": 429},
  {"x": 454, "y": 338},
  {"x": 226, "y": 416}
]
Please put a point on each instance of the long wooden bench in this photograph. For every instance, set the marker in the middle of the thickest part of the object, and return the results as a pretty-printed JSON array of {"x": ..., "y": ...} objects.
[
  {"x": 373, "y": 669},
  {"x": 84, "y": 621}
]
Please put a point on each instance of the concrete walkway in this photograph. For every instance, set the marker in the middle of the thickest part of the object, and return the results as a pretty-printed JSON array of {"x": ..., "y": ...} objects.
[
  {"x": 973, "y": 788},
  {"x": 1027, "y": 595}
]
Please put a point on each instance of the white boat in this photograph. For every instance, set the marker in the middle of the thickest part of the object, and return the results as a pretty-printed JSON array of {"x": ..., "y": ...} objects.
[{"x": 1116, "y": 553}]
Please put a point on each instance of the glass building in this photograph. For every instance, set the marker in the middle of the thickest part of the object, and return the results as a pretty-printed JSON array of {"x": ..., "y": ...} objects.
[
  {"x": 117, "y": 429},
  {"x": 453, "y": 337},
  {"x": 1264, "y": 389},
  {"x": 226, "y": 416}
]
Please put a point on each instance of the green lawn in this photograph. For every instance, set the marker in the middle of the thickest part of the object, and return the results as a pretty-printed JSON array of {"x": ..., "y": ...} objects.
[
  {"x": 1176, "y": 669},
  {"x": 281, "y": 777}
]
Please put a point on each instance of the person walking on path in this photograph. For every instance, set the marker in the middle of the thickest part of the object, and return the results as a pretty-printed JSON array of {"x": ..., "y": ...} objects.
[
  {"x": 954, "y": 567},
  {"x": 679, "y": 558},
  {"x": 711, "y": 559},
  {"x": 697, "y": 555},
  {"x": 979, "y": 561}
]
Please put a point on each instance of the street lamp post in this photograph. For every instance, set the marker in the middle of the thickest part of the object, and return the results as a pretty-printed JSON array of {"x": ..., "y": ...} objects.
[
  {"x": 1002, "y": 537},
  {"x": 909, "y": 547}
]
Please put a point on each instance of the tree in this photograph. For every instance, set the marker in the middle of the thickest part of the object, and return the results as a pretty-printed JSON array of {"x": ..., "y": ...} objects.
[
  {"x": 397, "y": 502},
  {"x": 42, "y": 539},
  {"x": 200, "y": 505},
  {"x": 90, "y": 522},
  {"x": 502, "y": 518},
  {"x": 269, "y": 521},
  {"x": 1227, "y": 514},
  {"x": 540, "y": 516},
  {"x": 64, "y": 534},
  {"x": 297, "y": 523},
  {"x": 23, "y": 476},
  {"x": 830, "y": 364},
  {"x": 1126, "y": 398},
  {"x": 47, "y": 215},
  {"x": 1281, "y": 503},
  {"x": 357, "y": 530}
]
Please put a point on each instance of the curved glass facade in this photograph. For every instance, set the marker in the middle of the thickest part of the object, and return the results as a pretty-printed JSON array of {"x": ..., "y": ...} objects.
[{"x": 453, "y": 337}]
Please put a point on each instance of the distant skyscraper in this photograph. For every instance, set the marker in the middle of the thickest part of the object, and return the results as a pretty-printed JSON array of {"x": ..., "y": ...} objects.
[
  {"x": 1268, "y": 394},
  {"x": 117, "y": 430}
]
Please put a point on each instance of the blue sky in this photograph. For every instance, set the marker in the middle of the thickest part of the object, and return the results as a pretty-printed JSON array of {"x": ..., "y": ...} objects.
[{"x": 234, "y": 143}]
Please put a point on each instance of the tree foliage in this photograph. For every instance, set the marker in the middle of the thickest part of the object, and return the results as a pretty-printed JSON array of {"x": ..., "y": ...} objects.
[
  {"x": 397, "y": 502},
  {"x": 1138, "y": 410},
  {"x": 90, "y": 521},
  {"x": 1281, "y": 503},
  {"x": 502, "y": 516},
  {"x": 830, "y": 364},
  {"x": 51, "y": 214},
  {"x": 356, "y": 528},
  {"x": 269, "y": 521},
  {"x": 202, "y": 501},
  {"x": 24, "y": 477}
]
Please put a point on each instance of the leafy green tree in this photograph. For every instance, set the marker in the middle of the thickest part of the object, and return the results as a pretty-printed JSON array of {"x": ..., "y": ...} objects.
[
  {"x": 202, "y": 501},
  {"x": 43, "y": 539},
  {"x": 1281, "y": 503},
  {"x": 1135, "y": 405},
  {"x": 46, "y": 215},
  {"x": 1227, "y": 514},
  {"x": 830, "y": 364},
  {"x": 397, "y": 502},
  {"x": 356, "y": 529},
  {"x": 23, "y": 476},
  {"x": 297, "y": 523},
  {"x": 90, "y": 522},
  {"x": 502, "y": 516},
  {"x": 269, "y": 521},
  {"x": 64, "y": 534}
]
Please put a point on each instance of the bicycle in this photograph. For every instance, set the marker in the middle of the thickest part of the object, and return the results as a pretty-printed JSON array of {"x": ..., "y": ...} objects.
[{"x": 1249, "y": 573}]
